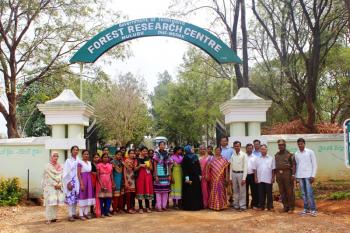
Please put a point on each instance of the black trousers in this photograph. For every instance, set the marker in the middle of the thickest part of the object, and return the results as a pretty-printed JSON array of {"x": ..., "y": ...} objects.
[
  {"x": 265, "y": 196},
  {"x": 250, "y": 184}
]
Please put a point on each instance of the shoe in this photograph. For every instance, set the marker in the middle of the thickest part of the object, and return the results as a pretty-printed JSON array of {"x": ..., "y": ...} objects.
[
  {"x": 313, "y": 213},
  {"x": 304, "y": 212},
  {"x": 242, "y": 209}
]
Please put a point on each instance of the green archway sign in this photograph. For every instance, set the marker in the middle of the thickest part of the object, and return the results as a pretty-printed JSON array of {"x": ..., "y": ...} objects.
[{"x": 122, "y": 32}]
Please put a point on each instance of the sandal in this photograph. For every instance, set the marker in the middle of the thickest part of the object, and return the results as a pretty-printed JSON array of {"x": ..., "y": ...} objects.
[
  {"x": 140, "y": 211},
  {"x": 48, "y": 222},
  {"x": 71, "y": 219},
  {"x": 131, "y": 211},
  {"x": 148, "y": 210}
]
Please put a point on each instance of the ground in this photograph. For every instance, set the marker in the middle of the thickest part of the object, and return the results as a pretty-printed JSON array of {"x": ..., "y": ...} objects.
[{"x": 333, "y": 217}]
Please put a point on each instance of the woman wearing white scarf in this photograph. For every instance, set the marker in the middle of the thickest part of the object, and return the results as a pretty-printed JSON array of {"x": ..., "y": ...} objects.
[
  {"x": 71, "y": 183},
  {"x": 52, "y": 188}
]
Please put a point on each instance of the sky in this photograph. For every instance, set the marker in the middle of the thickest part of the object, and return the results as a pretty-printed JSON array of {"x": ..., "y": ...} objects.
[{"x": 151, "y": 55}]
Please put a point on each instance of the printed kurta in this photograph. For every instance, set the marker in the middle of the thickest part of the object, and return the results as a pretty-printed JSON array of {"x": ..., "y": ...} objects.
[
  {"x": 51, "y": 178},
  {"x": 163, "y": 173},
  {"x": 70, "y": 175},
  {"x": 129, "y": 176}
]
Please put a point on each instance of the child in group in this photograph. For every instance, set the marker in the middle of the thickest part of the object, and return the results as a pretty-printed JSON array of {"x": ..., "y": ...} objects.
[
  {"x": 144, "y": 181},
  {"x": 118, "y": 193},
  {"x": 176, "y": 174},
  {"x": 129, "y": 180}
]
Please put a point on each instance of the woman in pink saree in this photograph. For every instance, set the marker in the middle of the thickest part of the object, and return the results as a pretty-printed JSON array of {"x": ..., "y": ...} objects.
[
  {"x": 217, "y": 175},
  {"x": 204, "y": 161}
]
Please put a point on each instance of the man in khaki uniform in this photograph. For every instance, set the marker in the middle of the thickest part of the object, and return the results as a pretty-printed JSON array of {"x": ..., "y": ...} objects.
[{"x": 285, "y": 176}]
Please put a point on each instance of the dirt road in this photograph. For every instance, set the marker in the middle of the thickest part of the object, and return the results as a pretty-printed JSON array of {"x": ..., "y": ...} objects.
[{"x": 31, "y": 219}]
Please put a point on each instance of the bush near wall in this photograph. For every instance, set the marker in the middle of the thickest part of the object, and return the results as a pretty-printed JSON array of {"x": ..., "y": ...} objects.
[{"x": 10, "y": 191}]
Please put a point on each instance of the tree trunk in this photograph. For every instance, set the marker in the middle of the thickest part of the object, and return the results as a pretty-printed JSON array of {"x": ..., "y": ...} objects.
[
  {"x": 244, "y": 45},
  {"x": 239, "y": 77},
  {"x": 11, "y": 120}
]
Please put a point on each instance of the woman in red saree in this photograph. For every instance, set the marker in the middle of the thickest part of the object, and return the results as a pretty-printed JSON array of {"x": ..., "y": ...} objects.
[{"x": 217, "y": 175}]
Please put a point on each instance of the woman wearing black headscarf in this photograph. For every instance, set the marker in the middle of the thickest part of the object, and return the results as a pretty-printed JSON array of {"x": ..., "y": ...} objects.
[{"x": 191, "y": 189}]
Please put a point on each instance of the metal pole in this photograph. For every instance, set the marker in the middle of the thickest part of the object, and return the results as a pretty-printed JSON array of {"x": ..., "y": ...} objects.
[
  {"x": 81, "y": 80},
  {"x": 27, "y": 184}
]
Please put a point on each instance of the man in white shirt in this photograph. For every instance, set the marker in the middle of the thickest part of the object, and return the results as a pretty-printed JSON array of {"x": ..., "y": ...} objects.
[
  {"x": 250, "y": 183},
  {"x": 306, "y": 167},
  {"x": 238, "y": 174},
  {"x": 264, "y": 171}
]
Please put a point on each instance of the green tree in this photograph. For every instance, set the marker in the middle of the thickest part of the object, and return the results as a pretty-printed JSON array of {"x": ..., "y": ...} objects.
[
  {"x": 299, "y": 32},
  {"x": 36, "y": 40},
  {"x": 121, "y": 111},
  {"x": 186, "y": 112},
  {"x": 31, "y": 120}
]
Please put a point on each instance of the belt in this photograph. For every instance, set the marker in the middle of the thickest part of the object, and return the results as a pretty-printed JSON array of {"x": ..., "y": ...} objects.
[
  {"x": 237, "y": 171},
  {"x": 281, "y": 171}
]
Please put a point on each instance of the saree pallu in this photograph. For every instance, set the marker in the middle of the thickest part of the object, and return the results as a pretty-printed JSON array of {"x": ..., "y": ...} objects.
[
  {"x": 205, "y": 185},
  {"x": 216, "y": 174},
  {"x": 176, "y": 187},
  {"x": 97, "y": 200}
]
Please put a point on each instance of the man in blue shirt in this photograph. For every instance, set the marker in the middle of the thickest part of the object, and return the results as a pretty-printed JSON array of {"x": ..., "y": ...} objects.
[
  {"x": 226, "y": 150},
  {"x": 257, "y": 145}
]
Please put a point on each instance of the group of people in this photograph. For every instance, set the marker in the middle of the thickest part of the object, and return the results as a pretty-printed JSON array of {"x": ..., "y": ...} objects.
[{"x": 215, "y": 180}]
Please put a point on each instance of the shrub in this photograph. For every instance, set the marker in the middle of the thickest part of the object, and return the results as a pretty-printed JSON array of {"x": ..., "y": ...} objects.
[
  {"x": 10, "y": 191},
  {"x": 340, "y": 195}
]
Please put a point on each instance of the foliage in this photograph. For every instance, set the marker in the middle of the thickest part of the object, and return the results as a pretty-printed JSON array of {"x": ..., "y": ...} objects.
[
  {"x": 10, "y": 191},
  {"x": 31, "y": 120},
  {"x": 121, "y": 111},
  {"x": 293, "y": 40},
  {"x": 340, "y": 195},
  {"x": 185, "y": 111},
  {"x": 36, "y": 40}
]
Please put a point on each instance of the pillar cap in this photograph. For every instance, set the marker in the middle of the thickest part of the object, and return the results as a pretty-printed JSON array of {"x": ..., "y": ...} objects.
[
  {"x": 66, "y": 109},
  {"x": 245, "y": 106}
]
